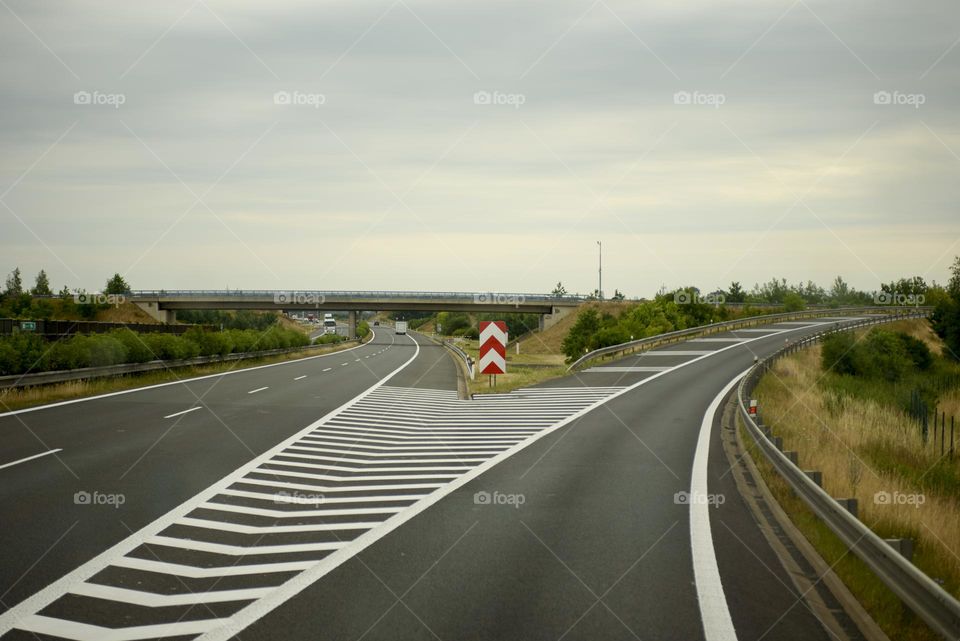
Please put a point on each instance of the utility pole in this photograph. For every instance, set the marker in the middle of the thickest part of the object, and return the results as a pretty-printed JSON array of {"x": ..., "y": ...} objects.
[{"x": 600, "y": 272}]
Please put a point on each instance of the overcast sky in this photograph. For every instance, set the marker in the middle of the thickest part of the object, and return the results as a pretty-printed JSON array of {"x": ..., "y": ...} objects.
[{"x": 478, "y": 146}]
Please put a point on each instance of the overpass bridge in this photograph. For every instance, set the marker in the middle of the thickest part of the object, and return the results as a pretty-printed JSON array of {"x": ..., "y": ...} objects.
[{"x": 164, "y": 304}]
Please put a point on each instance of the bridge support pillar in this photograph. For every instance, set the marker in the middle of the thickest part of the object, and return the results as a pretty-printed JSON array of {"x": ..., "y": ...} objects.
[
  {"x": 351, "y": 324},
  {"x": 549, "y": 320},
  {"x": 168, "y": 316}
]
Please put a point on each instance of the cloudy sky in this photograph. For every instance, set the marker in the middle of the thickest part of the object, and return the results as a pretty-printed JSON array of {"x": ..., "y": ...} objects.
[{"x": 478, "y": 145}]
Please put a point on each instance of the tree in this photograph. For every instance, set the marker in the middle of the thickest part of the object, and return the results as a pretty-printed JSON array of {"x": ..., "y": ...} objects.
[
  {"x": 618, "y": 295},
  {"x": 953, "y": 285},
  {"x": 42, "y": 285},
  {"x": 840, "y": 290},
  {"x": 736, "y": 293},
  {"x": 559, "y": 290},
  {"x": 116, "y": 285},
  {"x": 793, "y": 302},
  {"x": 65, "y": 293},
  {"x": 14, "y": 283}
]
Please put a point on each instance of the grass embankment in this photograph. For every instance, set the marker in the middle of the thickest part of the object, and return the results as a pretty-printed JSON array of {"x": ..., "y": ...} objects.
[
  {"x": 856, "y": 430},
  {"x": 20, "y": 398}
]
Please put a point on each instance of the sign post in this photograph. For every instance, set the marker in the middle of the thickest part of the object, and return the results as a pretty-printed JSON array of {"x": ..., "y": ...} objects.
[{"x": 493, "y": 349}]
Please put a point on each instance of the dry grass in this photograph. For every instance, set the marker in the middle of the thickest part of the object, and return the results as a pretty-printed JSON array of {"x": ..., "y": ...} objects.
[
  {"x": 125, "y": 313},
  {"x": 550, "y": 340},
  {"x": 864, "y": 448},
  {"x": 880, "y": 602},
  {"x": 515, "y": 378}
]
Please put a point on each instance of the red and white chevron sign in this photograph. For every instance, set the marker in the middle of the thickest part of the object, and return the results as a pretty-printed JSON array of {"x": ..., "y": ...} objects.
[{"x": 493, "y": 347}]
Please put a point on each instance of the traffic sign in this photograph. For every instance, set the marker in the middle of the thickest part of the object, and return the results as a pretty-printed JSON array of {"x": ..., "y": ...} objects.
[
  {"x": 493, "y": 347},
  {"x": 28, "y": 326}
]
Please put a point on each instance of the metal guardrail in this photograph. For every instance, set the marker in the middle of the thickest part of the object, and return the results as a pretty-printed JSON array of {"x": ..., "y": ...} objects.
[
  {"x": 404, "y": 295},
  {"x": 462, "y": 355},
  {"x": 59, "y": 328},
  {"x": 939, "y": 609},
  {"x": 63, "y": 376},
  {"x": 467, "y": 360},
  {"x": 723, "y": 326}
]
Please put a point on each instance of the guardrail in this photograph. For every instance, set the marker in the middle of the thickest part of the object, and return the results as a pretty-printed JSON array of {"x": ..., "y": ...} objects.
[
  {"x": 724, "y": 326},
  {"x": 60, "y": 328},
  {"x": 462, "y": 355},
  {"x": 920, "y": 593},
  {"x": 63, "y": 376},
  {"x": 467, "y": 360},
  {"x": 405, "y": 295}
]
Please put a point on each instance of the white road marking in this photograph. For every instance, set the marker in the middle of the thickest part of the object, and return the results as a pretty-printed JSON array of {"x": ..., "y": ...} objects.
[
  {"x": 39, "y": 624},
  {"x": 328, "y": 369},
  {"x": 714, "y": 612},
  {"x": 259, "y": 389},
  {"x": 344, "y": 364},
  {"x": 192, "y": 409},
  {"x": 179, "y": 382},
  {"x": 300, "y": 378},
  {"x": 437, "y": 407},
  {"x": 607, "y": 370},
  {"x": 717, "y": 340},
  {"x": 30, "y": 458},
  {"x": 678, "y": 352}
]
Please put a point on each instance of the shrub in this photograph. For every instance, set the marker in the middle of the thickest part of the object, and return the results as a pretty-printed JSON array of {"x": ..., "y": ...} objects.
[
  {"x": 362, "y": 329},
  {"x": 137, "y": 349},
  {"x": 837, "y": 353}
]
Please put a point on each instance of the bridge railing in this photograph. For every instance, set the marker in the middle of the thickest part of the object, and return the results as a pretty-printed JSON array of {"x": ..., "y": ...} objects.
[
  {"x": 479, "y": 297},
  {"x": 723, "y": 326},
  {"x": 920, "y": 593}
]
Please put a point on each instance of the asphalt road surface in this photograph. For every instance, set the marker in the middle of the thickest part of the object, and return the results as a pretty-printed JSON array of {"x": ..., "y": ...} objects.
[{"x": 353, "y": 496}]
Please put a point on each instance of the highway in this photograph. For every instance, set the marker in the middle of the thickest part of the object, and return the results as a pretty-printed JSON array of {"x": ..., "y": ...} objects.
[{"x": 353, "y": 496}]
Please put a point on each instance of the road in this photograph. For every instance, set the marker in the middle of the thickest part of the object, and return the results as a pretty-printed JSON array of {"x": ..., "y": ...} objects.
[{"x": 401, "y": 513}]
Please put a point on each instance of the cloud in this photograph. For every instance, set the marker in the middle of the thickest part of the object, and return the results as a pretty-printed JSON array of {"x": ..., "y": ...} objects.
[{"x": 401, "y": 163}]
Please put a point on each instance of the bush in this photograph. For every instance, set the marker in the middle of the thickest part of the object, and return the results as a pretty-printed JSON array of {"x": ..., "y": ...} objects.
[
  {"x": 362, "y": 329},
  {"x": 137, "y": 350},
  {"x": 882, "y": 354},
  {"x": 20, "y": 353},
  {"x": 837, "y": 353}
]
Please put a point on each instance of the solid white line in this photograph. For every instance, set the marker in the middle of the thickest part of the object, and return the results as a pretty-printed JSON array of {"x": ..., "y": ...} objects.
[
  {"x": 54, "y": 627},
  {"x": 300, "y": 378},
  {"x": 181, "y": 381},
  {"x": 192, "y": 572},
  {"x": 241, "y": 550},
  {"x": 677, "y": 352},
  {"x": 30, "y": 458},
  {"x": 24, "y": 612},
  {"x": 714, "y": 612},
  {"x": 155, "y": 600},
  {"x": 192, "y": 409},
  {"x": 259, "y": 389},
  {"x": 256, "y": 610},
  {"x": 608, "y": 370}
]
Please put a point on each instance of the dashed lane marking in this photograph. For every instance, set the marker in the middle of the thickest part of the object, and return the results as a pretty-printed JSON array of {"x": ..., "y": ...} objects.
[{"x": 192, "y": 409}]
